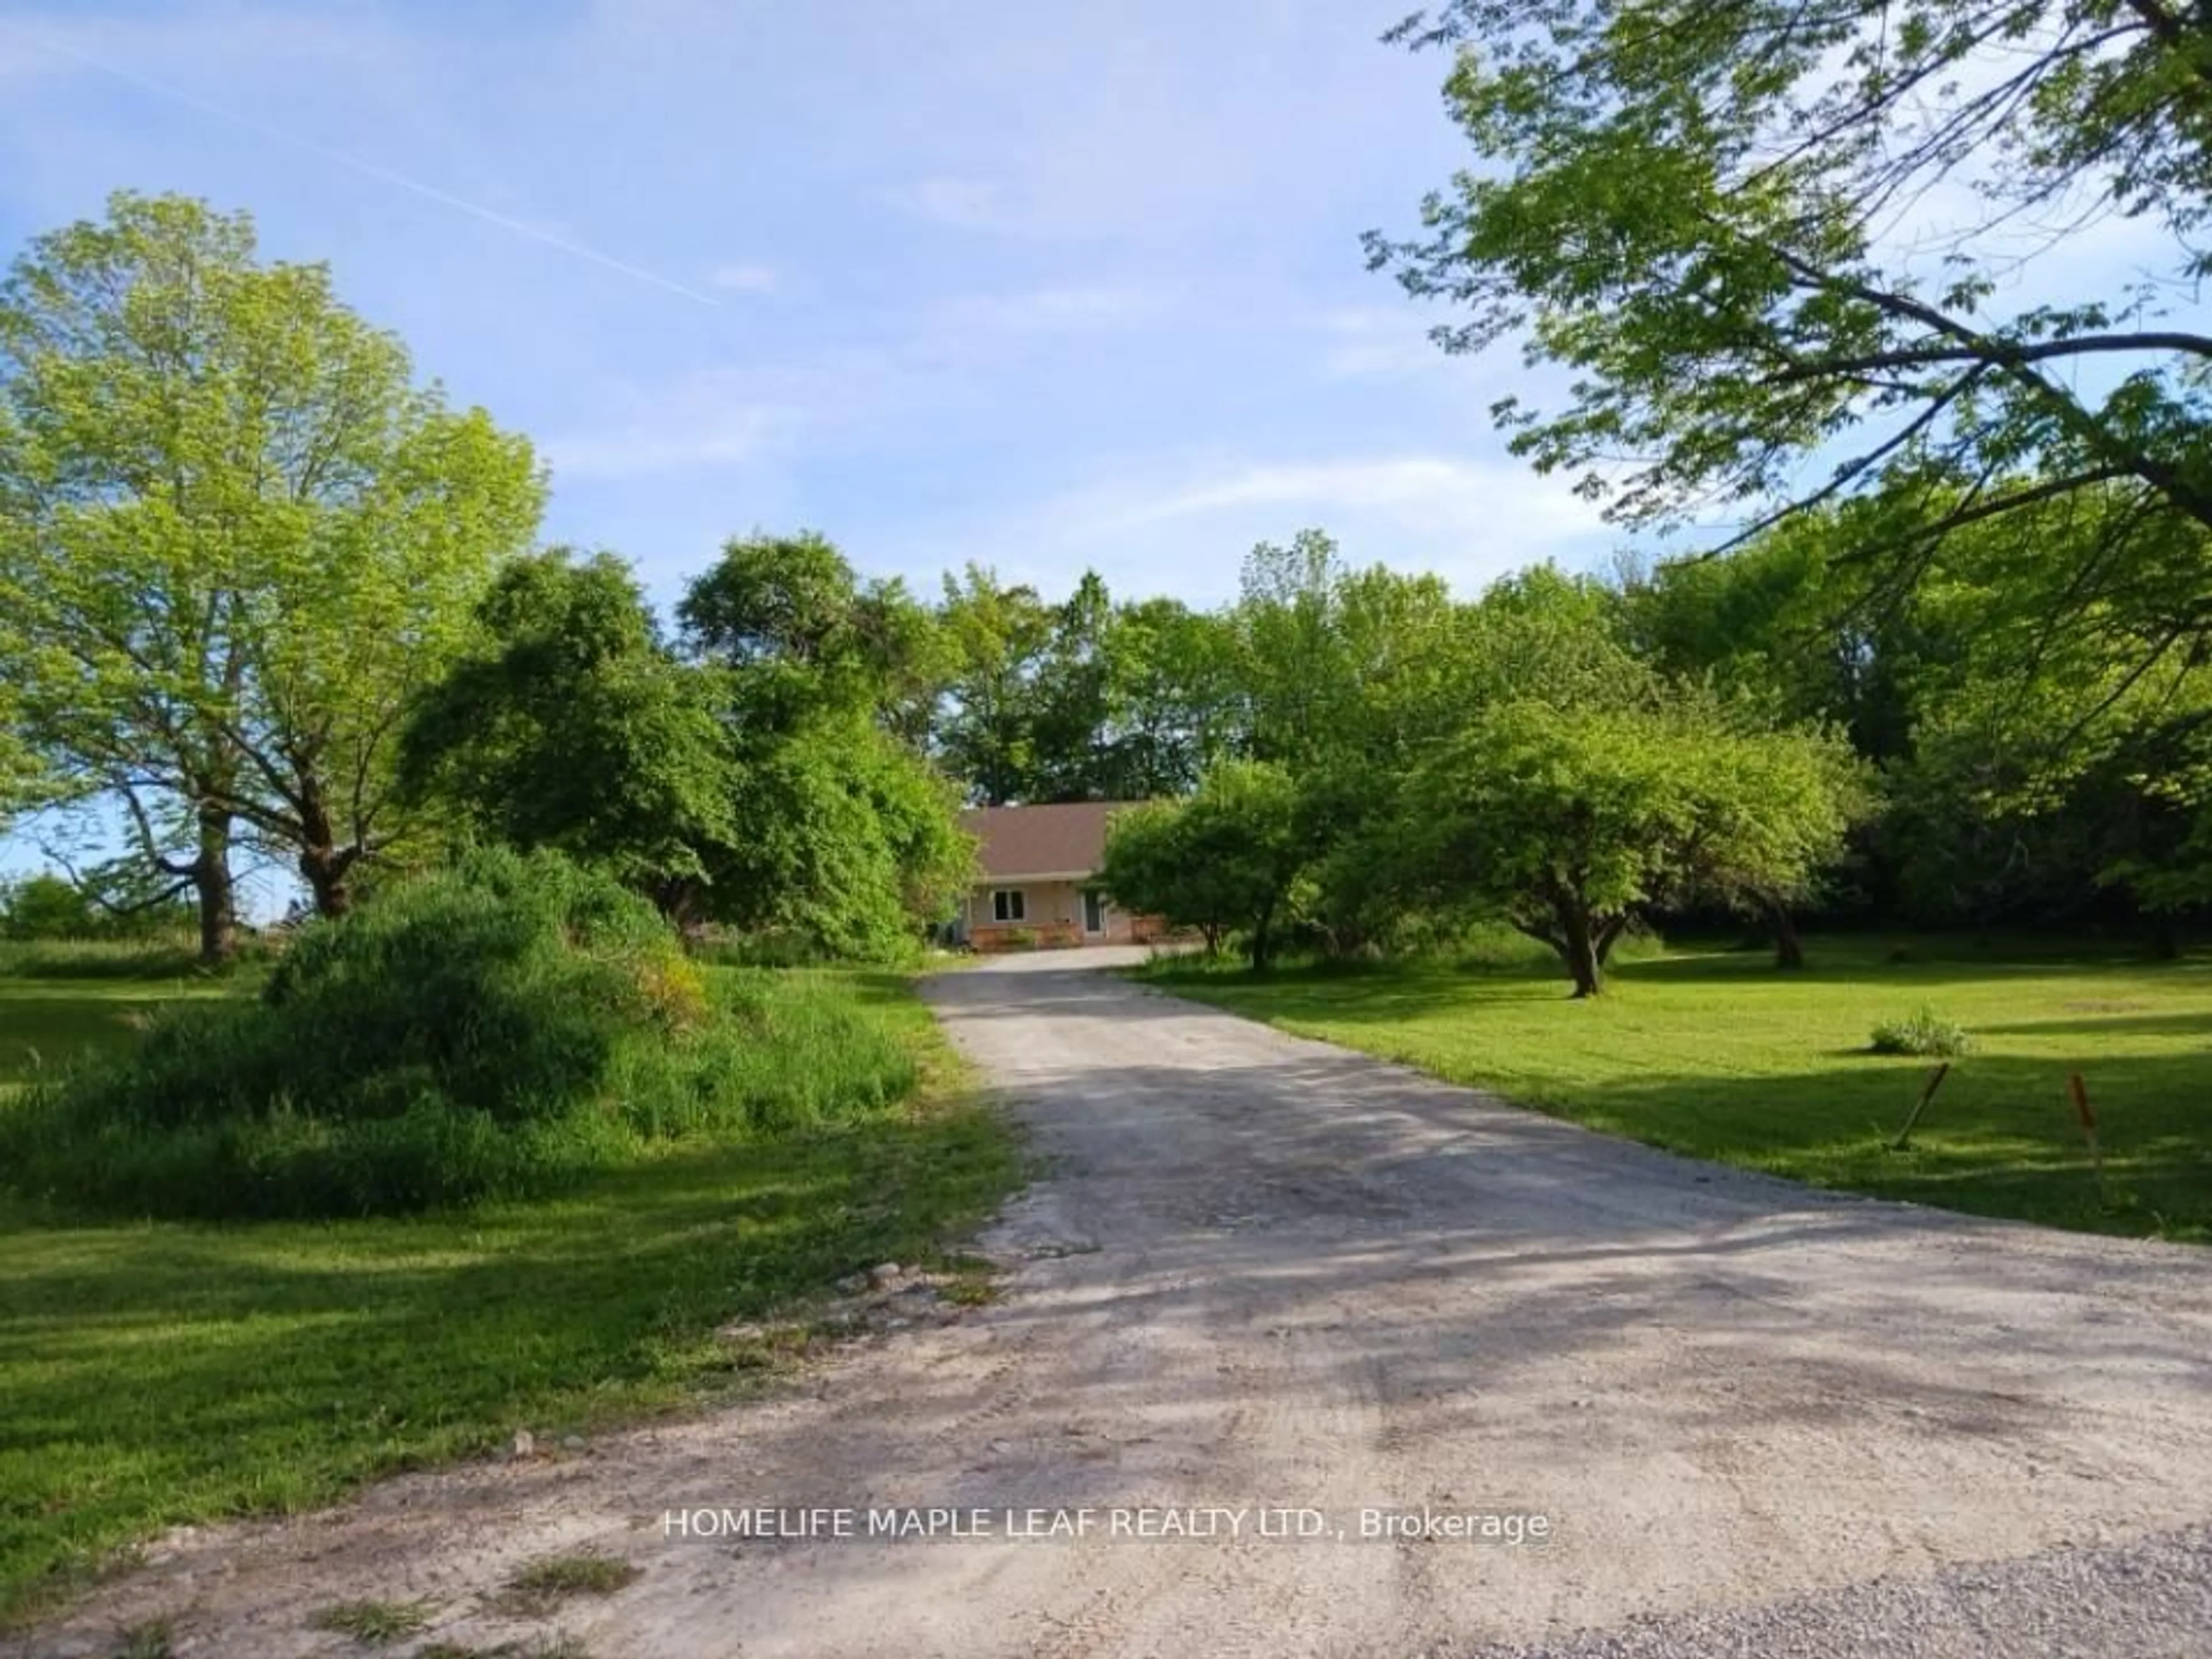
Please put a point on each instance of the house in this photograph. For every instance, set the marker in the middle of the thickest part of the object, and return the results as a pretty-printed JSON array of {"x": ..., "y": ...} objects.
[{"x": 1038, "y": 885}]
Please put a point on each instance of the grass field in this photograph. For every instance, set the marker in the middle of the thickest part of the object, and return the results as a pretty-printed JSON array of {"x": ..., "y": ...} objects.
[
  {"x": 1714, "y": 1054},
  {"x": 158, "y": 1374}
]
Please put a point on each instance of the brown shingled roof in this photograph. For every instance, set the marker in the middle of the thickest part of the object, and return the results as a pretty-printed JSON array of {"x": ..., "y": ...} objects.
[{"x": 1068, "y": 840}]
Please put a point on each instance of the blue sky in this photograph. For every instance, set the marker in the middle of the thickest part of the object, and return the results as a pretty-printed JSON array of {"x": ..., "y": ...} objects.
[{"x": 1041, "y": 287}]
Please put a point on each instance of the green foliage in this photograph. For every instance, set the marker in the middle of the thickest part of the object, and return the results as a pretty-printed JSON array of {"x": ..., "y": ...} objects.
[
  {"x": 1924, "y": 1032},
  {"x": 841, "y": 838},
  {"x": 1693, "y": 210},
  {"x": 235, "y": 537},
  {"x": 1173, "y": 700},
  {"x": 844, "y": 841},
  {"x": 46, "y": 906},
  {"x": 1224, "y": 860},
  {"x": 1717, "y": 221},
  {"x": 492, "y": 1030},
  {"x": 1083, "y": 701},
  {"x": 758, "y": 782},
  {"x": 1573, "y": 822},
  {"x": 787, "y": 615},
  {"x": 295, "y": 1360},
  {"x": 568, "y": 726},
  {"x": 997, "y": 633}
]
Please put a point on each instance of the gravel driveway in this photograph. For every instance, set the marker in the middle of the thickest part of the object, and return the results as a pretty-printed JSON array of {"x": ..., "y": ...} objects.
[{"x": 1269, "y": 1295}]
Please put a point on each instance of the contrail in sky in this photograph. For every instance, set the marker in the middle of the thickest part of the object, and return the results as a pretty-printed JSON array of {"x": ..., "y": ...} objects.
[{"x": 384, "y": 175}]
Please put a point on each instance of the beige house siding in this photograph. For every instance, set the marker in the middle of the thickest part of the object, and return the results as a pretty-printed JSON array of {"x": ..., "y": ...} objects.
[{"x": 1052, "y": 916}]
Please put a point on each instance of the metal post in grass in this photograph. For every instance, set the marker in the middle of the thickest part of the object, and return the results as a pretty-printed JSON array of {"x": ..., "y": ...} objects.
[
  {"x": 2088, "y": 1114},
  {"x": 1935, "y": 1082}
]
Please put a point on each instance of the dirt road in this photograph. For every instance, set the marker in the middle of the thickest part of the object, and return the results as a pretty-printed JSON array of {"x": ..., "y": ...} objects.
[{"x": 1266, "y": 1277}]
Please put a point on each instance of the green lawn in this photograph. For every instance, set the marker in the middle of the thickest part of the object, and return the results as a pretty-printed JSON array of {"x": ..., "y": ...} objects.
[
  {"x": 1717, "y": 1054},
  {"x": 155, "y": 1374}
]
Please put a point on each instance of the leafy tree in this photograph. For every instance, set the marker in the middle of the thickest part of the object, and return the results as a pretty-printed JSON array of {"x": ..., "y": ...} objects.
[
  {"x": 843, "y": 840},
  {"x": 1716, "y": 219},
  {"x": 998, "y": 636},
  {"x": 1086, "y": 700},
  {"x": 1292, "y": 653},
  {"x": 235, "y": 538},
  {"x": 1791, "y": 620},
  {"x": 1071, "y": 737},
  {"x": 1227, "y": 859},
  {"x": 788, "y": 614},
  {"x": 46, "y": 906},
  {"x": 1179, "y": 708},
  {"x": 2062, "y": 751},
  {"x": 1401, "y": 669},
  {"x": 1572, "y": 822},
  {"x": 115, "y": 901},
  {"x": 570, "y": 726},
  {"x": 1147, "y": 870},
  {"x": 845, "y": 845}
]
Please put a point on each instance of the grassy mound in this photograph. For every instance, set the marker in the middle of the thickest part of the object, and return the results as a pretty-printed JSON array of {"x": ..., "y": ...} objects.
[{"x": 491, "y": 1030}]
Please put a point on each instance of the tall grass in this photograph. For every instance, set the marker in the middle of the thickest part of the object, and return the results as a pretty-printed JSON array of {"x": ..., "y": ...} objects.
[
  {"x": 491, "y": 1031},
  {"x": 172, "y": 1372},
  {"x": 784, "y": 1051},
  {"x": 174, "y": 957}
]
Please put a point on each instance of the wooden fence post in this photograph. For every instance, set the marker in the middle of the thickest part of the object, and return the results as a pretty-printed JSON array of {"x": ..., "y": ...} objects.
[
  {"x": 2088, "y": 1114},
  {"x": 1935, "y": 1081}
]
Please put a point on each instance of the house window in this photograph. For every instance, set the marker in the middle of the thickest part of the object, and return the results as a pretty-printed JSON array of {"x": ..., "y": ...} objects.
[{"x": 1007, "y": 904}]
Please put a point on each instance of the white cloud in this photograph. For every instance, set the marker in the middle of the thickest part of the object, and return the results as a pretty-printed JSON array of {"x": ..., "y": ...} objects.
[
  {"x": 710, "y": 420},
  {"x": 752, "y": 416},
  {"x": 744, "y": 278}
]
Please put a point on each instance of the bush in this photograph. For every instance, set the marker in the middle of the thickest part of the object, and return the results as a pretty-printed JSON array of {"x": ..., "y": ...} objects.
[
  {"x": 1926, "y": 1033},
  {"x": 46, "y": 906},
  {"x": 490, "y": 1030},
  {"x": 792, "y": 947}
]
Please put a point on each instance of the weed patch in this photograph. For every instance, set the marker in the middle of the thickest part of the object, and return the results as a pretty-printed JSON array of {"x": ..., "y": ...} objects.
[{"x": 374, "y": 1624}]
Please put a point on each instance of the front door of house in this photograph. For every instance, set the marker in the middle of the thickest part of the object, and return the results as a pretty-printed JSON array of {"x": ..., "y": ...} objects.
[{"x": 1094, "y": 911}]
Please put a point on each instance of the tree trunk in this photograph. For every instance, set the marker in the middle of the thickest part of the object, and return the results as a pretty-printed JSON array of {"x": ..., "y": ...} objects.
[
  {"x": 1789, "y": 949},
  {"x": 326, "y": 867},
  {"x": 681, "y": 901},
  {"x": 218, "y": 894},
  {"x": 1579, "y": 945},
  {"x": 325, "y": 872}
]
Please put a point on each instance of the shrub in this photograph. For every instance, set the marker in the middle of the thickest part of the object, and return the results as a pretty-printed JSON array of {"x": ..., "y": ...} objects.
[
  {"x": 792, "y": 947},
  {"x": 489, "y": 1030},
  {"x": 1924, "y": 1032}
]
